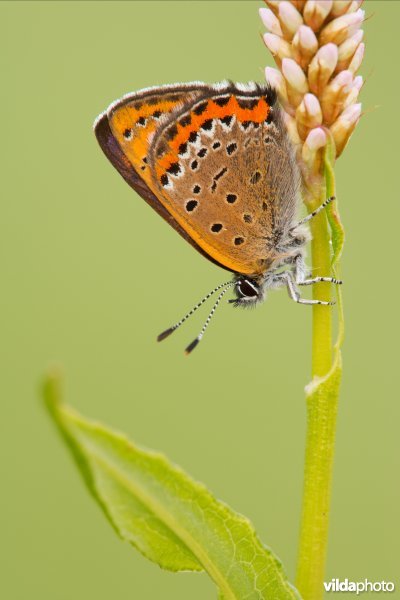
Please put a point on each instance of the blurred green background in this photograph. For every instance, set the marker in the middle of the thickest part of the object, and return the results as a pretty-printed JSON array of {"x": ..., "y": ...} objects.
[{"x": 90, "y": 275}]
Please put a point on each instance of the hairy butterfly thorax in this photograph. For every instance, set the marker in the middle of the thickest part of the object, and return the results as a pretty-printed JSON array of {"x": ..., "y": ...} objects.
[{"x": 216, "y": 162}]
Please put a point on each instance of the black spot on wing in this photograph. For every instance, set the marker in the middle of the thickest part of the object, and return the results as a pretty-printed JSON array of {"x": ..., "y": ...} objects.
[
  {"x": 249, "y": 103},
  {"x": 227, "y": 120},
  {"x": 255, "y": 178},
  {"x": 218, "y": 176},
  {"x": 182, "y": 148},
  {"x": 185, "y": 121},
  {"x": 222, "y": 101},
  {"x": 231, "y": 148},
  {"x": 172, "y": 132},
  {"x": 174, "y": 168},
  {"x": 191, "y": 205},
  {"x": 200, "y": 108},
  {"x": 220, "y": 173},
  {"x": 207, "y": 125}
]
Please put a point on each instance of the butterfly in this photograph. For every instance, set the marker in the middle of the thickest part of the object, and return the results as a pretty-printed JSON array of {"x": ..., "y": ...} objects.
[{"x": 216, "y": 162}]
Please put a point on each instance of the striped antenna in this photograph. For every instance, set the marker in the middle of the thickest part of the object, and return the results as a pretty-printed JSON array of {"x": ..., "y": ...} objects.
[
  {"x": 170, "y": 330},
  {"x": 315, "y": 212},
  {"x": 193, "y": 345}
]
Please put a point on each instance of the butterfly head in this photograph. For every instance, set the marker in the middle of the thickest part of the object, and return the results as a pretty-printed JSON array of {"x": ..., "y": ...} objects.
[{"x": 248, "y": 291}]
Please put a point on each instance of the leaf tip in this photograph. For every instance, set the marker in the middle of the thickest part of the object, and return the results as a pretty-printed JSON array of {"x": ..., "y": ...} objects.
[{"x": 51, "y": 389}]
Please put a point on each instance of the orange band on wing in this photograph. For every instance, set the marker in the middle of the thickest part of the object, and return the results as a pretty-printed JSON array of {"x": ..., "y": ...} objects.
[{"x": 256, "y": 114}]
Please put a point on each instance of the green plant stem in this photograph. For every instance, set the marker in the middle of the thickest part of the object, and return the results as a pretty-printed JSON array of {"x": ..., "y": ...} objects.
[
  {"x": 321, "y": 425},
  {"x": 322, "y": 315}
]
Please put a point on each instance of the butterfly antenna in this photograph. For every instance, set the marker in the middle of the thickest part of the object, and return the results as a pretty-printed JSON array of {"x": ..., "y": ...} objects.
[
  {"x": 193, "y": 345},
  {"x": 315, "y": 212},
  {"x": 170, "y": 330}
]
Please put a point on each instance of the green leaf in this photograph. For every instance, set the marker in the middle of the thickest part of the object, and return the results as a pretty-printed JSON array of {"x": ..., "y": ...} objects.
[
  {"x": 171, "y": 519},
  {"x": 338, "y": 238},
  {"x": 335, "y": 223}
]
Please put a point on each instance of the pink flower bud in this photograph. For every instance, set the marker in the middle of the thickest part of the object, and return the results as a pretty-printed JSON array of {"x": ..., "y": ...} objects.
[
  {"x": 313, "y": 108},
  {"x": 347, "y": 50},
  {"x": 311, "y": 151},
  {"x": 354, "y": 6},
  {"x": 344, "y": 126},
  {"x": 290, "y": 19},
  {"x": 299, "y": 4},
  {"x": 308, "y": 115},
  {"x": 274, "y": 5},
  {"x": 297, "y": 84},
  {"x": 322, "y": 67},
  {"x": 296, "y": 80},
  {"x": 357, "y": 59},
  {"x": 340, "y": 7},
  {"x": 354, "y": 92},
  {"x": 291, "y": 127},
  {"x": 270, "y": 21},
  {"x": 278, "y": 47},
  {"x": 276, "y": 80},
  {"x": 316, "y": 11},
  {"x": 343, "y": 80},
  {"x": 305, "y": 45},
  {"x": 316, "y": 139},
  {"x": 358, "y": 82},
  {"x": 341, "y": 28},
  {"x": 294, "y": 75},
  {"x": 352, "y": 114},
  {"x": 335, "y": 95}
]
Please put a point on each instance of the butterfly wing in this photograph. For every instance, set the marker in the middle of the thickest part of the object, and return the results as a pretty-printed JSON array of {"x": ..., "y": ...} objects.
[
  {"x": 224, "y": 168},
  {"x": 125, "y": 130},
  {"x": 214, "y": 161}
]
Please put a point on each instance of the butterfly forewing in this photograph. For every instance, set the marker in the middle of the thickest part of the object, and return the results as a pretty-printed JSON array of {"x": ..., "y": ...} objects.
[
  {"x": 125, "y": 130},
  {"x": 134, "y": 120},
  {"x": 212, "y": 160}
]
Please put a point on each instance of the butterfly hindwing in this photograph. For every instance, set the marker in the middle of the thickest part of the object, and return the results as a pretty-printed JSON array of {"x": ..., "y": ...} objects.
[{"x": 213, "y": 163}]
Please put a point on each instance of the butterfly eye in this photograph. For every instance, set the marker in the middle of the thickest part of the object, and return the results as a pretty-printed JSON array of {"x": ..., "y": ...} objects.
[{"x": 248, "y": 289}]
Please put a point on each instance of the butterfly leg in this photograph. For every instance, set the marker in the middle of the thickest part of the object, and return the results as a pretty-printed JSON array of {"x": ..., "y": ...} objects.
[
  {"x": 287, "y": 278},
  {"x": 300, "y": 271}
]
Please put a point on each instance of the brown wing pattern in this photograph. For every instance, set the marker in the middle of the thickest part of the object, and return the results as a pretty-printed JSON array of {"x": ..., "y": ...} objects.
[
  {"x": 214, "y": 161},
  {"x": 220, "y": 168}
]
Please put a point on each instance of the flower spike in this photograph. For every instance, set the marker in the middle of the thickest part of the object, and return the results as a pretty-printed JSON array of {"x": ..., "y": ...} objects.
[{"x": 318, "y": 49}]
